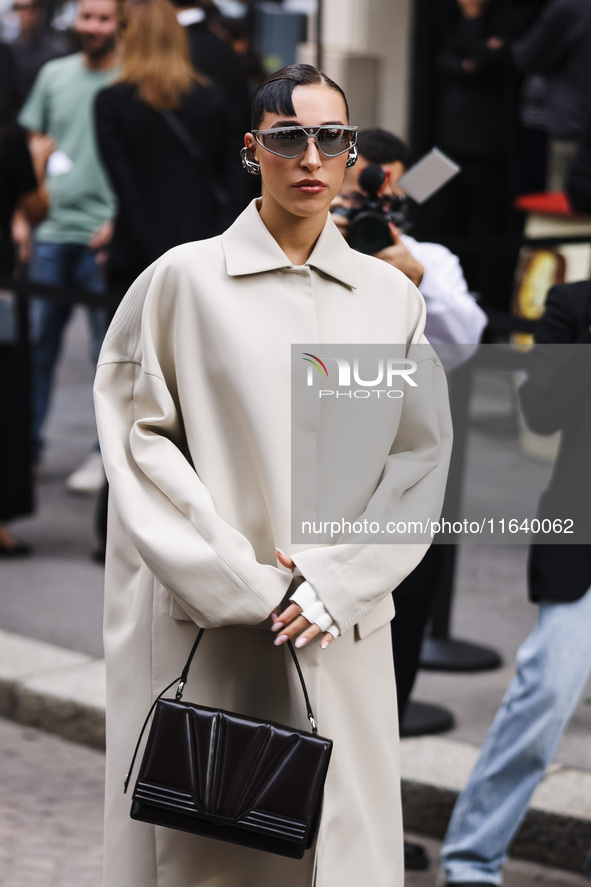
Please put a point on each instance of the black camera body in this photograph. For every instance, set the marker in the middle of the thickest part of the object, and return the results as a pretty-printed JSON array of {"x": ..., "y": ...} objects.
[{"x": 368, "y": 230}]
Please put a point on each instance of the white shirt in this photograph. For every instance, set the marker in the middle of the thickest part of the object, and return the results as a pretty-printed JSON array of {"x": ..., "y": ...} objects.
[{"x": 453, "y": 315}]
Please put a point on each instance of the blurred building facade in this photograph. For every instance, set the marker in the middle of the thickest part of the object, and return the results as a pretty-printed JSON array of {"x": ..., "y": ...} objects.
[{"x": 367, "y": 48}]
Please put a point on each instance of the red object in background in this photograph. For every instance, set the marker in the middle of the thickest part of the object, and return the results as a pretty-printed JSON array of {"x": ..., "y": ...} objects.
[{"x": 551, "y": 203}]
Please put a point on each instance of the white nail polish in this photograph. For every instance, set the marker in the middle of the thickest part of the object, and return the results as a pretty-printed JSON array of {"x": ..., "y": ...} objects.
[{"x": 301, "y": 642}]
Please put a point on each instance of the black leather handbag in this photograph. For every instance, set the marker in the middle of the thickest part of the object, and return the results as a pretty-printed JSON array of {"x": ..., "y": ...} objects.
[{"x": 228, "y": 776}]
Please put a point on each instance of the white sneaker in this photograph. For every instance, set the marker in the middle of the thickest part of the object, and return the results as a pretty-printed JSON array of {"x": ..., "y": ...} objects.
[{"x": 88, "y": 477}]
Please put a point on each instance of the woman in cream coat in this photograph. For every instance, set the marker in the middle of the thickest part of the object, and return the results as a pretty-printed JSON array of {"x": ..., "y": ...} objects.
[{"x": 193, "y": 405}]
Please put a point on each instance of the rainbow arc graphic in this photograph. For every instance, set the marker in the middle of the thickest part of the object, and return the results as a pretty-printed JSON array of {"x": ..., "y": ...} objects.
[{"x": 315, "y": 361}]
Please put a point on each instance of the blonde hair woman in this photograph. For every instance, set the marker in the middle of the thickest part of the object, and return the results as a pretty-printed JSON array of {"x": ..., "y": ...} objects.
[
  {"x": 193, "y": 404},
  {"x": 162, "y": 136}
]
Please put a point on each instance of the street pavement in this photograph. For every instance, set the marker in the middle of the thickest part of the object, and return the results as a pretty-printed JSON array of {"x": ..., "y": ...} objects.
[{"x": 51, "y": 796}]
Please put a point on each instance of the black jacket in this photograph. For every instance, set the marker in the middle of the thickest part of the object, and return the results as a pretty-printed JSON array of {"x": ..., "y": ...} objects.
[
  {"x": 217, "y": 60},
  {"x": 9, "y": 94},
  {"x": 557, "y": 396},
  {"x": 558, "y": 46},
  {"x": 578, "y": 182},
  {"x": 164, "y": 196},
  {"x": 477, "y": 106}
]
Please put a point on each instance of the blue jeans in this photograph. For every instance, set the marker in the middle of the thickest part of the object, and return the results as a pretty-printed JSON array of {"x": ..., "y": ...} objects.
[
  {"x": 68, "y": 265},
  {"x": 552, "y": 669}
]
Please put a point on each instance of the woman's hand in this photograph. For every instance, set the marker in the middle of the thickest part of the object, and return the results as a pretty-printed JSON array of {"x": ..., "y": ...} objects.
[
  {"x": 290, "y": 623},
  {"x": 398, "y": 256},
  {"x": 102, "y": 236},
  {"x": 22, "y": 236}
]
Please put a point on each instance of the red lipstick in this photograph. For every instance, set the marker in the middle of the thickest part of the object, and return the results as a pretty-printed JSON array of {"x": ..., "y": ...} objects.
[{"x": 310, "y": 186}]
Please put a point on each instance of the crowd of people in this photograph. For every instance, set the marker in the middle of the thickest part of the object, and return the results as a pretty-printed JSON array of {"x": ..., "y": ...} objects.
[
  {"x": 510, "y": 104},
  {"x": 129, "y": 175},
  {"x": 121, "y": 141}
]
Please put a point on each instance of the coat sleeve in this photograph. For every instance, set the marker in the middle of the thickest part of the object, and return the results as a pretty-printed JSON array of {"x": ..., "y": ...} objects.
[
  {"x": 350, "y": 577},
  {"x": 168, "y": 513}
]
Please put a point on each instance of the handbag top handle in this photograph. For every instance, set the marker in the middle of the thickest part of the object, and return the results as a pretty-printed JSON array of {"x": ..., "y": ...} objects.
[{"x": 184, "y": 677}]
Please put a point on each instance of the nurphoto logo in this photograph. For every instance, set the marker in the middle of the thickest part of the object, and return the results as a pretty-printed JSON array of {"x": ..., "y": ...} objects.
[{"x": 388, "y": 371}]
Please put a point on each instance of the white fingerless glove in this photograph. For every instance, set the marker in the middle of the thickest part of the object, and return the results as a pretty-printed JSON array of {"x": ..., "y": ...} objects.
[{"x": 313, "y": 609}]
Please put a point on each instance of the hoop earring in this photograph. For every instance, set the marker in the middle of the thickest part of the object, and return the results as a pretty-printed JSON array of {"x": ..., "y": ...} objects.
[
  {"x": 251, "y": 166},
  {"x": 351, "y": 157}
]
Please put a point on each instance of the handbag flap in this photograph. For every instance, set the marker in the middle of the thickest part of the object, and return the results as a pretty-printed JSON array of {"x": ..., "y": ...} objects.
[{"x": 233, "y": 769}]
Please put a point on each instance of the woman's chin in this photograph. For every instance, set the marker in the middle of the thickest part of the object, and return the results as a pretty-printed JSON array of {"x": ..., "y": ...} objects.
[{"x": 307, "y": 205}]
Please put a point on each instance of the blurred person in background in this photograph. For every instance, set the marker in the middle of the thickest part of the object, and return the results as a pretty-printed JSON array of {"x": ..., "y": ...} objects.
[
  {"x": 558, "y": 46},
  {"x": 79, "y": 223},
  {"x": 35, "y": 45},
  {"x": 162, "y": 131},
  {"x": 453, "y": 318},
  {"x": 215, "y": 58},
  {"x": 578, "y": 180},
  {"x": 9, "y": 91},
  {"x": 554, "y": 663},
  {"x": 477, "y": 126},
  {"x": 235, "y": 32},
  {"x": 453, "y": 315},
  {"x": 22, "y": 185},
  {"x": 532, "y": 147}
]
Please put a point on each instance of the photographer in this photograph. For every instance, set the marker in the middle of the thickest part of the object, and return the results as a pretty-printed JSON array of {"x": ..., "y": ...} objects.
[{"x": 453, "y": 316}]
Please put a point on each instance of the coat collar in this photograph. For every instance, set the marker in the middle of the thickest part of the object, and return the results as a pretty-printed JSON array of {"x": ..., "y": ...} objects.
[{"x": 249, "y": 248}]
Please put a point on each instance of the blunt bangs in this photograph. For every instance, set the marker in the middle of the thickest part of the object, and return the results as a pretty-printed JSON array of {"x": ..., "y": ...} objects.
[{"x": 274, "y": 95}]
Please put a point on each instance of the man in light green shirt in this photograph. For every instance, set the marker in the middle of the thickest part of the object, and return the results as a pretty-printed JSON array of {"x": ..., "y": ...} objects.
[{"x": 61, "y": 104}]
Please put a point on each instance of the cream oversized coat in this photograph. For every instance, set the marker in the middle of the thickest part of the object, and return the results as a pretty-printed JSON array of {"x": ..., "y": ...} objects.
[{"x": 192, "y": 400}]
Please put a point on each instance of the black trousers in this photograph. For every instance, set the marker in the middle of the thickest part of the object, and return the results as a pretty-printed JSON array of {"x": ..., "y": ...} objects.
[{"x": 413, "y": 600}]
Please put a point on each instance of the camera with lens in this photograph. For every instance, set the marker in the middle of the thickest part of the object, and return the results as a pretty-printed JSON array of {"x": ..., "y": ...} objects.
[{"x": 369, "y": 217}]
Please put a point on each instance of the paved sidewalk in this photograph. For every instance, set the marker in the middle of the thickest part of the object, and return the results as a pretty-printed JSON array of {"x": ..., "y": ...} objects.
[
  {"x": 51, "y": 810},
  {"x": 51, "y": 797}
]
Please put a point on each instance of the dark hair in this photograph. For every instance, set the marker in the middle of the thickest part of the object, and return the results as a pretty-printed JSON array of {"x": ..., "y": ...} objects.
[
  {"x": 380, "y": 146},
  {"x": 274, "y": 95}
]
